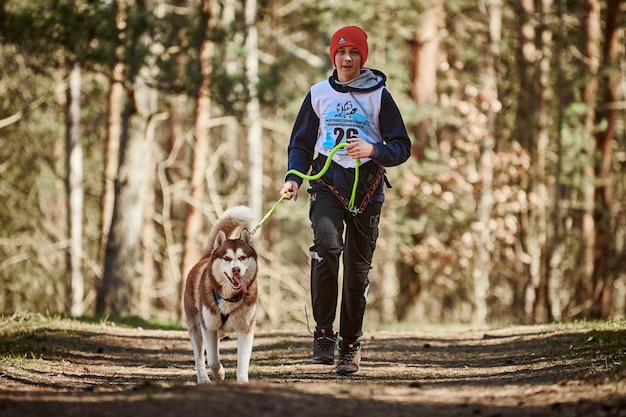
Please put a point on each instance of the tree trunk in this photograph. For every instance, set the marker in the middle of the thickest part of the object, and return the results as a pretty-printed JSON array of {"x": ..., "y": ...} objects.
[
  {"x": 556, "y": 246},
  {"x": 524, "y": 126},
  {"x": 389, "y": 272},
  {"x": 149, "y": 233},
  {"x": 591, "y": 64},
  {"x": 425, "y": 58},
  {"x": 173, "y": 200},
  {"x": 118, "y": 294},
  {"x": 75, "y": 285},
  {"x": 484, "y": 242},
  {"x": 541, "y": 310},
  {"x": 606, "y": 266},
  {"x": 114, "y": 128},
  {"x": 122, "y": 267},
  {"x": 253, "y": 110},
  {"x": 193, "y": 244},
  {"x": 531, "y": 129}
]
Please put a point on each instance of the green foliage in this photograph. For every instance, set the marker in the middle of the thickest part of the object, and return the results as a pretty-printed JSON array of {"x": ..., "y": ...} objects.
[{"x": 44, "y": 28}]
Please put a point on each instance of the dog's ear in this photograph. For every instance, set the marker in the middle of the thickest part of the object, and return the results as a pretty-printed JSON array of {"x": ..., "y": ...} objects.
[
  {"x": 245, "y": 236},
  {"x": 219, "y": 239}
]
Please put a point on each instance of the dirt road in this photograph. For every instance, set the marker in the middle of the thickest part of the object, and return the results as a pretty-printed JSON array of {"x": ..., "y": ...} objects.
[{"x": 69, "y": 369}]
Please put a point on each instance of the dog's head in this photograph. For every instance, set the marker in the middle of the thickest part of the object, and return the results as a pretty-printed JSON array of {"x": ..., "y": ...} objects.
[{"x": 234, "y": 263}]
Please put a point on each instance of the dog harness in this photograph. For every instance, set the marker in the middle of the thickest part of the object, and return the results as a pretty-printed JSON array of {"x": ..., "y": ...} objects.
[{"x": 229, "y": 300}]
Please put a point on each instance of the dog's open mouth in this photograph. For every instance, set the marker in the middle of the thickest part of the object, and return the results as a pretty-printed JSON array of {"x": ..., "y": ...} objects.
[{"x": 238, "y": 283}]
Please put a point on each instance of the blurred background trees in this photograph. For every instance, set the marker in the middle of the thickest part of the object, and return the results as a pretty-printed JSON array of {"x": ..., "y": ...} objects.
[{"x": 128, "y": 126}]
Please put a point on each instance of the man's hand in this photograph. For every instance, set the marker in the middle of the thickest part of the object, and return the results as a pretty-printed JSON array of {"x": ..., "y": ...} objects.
[
  {"x": 358, "y": 148},
  {"x": 289, "y": 190}
]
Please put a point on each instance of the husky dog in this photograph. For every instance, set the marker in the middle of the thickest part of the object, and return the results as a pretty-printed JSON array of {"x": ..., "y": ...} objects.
[{"x": 221, "y": 294}]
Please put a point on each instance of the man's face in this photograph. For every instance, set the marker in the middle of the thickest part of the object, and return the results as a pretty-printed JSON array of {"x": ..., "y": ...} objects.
[{"x": 348, "y": 63}]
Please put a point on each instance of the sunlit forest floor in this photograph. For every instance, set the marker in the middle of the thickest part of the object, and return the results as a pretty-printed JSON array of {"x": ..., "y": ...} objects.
[{"x": 61, "y": 367}]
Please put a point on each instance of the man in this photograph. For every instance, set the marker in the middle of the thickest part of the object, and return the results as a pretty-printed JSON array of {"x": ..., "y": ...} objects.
[{"x": 352, "y": 106}]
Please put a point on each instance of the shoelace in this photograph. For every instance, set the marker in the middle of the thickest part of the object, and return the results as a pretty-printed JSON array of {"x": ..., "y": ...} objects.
[
  {"x": 326, "y": 343},
  {"x": 346, "y": 356}
]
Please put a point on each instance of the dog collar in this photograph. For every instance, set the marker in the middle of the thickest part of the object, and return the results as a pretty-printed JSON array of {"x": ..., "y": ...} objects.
[{"x": 230, "y": 300}]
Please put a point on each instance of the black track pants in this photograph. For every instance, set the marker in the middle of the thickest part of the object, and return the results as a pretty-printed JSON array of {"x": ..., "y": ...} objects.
[{"x": 329, "y": 217}]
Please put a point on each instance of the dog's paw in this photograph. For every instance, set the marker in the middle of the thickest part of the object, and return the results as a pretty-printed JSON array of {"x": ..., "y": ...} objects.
[
  {"x": 204, "y": 380},
  {"x": 218, "y": 372}
]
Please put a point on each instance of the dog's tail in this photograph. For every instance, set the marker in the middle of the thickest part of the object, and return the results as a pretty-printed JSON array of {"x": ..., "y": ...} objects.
[{"x": 232, "y": 221}]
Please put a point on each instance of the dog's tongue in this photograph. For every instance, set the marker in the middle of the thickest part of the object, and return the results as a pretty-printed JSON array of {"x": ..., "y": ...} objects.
[{"x": 244, "y": 285}]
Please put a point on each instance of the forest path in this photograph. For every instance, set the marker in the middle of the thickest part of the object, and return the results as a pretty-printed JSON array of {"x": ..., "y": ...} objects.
[{"x": 76, "y": 369}]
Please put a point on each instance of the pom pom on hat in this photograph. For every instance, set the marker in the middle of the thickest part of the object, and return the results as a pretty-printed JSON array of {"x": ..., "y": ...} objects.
[{"x": 352, "y": 36}]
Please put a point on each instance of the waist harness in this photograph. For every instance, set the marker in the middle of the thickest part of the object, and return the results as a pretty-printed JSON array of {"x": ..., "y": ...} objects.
[{"x": 373, "y": 178}]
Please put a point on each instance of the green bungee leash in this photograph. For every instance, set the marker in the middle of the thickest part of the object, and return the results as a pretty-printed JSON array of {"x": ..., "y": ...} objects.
[{"x": 315, "y": 177}]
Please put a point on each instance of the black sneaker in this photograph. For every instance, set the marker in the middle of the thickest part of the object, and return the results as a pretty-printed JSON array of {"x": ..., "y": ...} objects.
[
  {"x": 324, "y": 347},
  {"x": 349, "y": 358}
]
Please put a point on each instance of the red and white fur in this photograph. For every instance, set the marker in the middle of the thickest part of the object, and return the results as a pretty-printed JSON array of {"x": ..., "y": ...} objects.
[{"x": 221, "y": 295}]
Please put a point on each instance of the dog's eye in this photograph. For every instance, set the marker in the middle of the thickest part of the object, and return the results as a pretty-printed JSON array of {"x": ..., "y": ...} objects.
[
  {"x": 227, "y": 258},
  {"x": 242, "y": 258}
]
